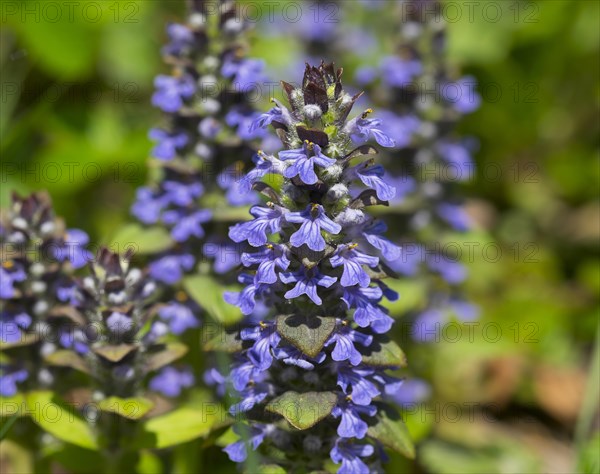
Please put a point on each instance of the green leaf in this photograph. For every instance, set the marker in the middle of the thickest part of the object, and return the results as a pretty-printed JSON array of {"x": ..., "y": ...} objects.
[
  {"x": 303, "y": 410},
  {"x": 307, "y": 333},
  {"x": 391, "y": 431},
  {"x": 383, "y": 352},
  {"x": 188, "y": 422},
  {"x": 208, "y": 293},
  {"x": 272, "y": 469},
  {"x": 131, "y": 408},
  {"x": 64, "y": 358},
  {"x": 142, "y": 240},
  {"x": 172, "y": 352},
  {"x": 57, "y": 418},
  {"x": 114, "y": 353},
  {"x": 225, "y": 342}
]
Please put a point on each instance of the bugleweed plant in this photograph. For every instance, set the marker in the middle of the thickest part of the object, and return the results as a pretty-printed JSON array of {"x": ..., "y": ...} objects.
[
  {"x": 318, "y": 356},
  {"x": 313, "y": 378}
]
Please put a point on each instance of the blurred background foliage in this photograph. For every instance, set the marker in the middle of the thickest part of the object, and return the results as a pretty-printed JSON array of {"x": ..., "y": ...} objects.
[{"x": 76, "y": 96}]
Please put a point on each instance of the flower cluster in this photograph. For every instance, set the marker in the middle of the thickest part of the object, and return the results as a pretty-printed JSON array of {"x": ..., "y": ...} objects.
[
  {"x": 201, "y": 148},
  {"x": 428, "y": 100},
  {"x": 37, "y": 256},
  {"x": 117, "y": 336},
  {"x": 313, "y": 348}
]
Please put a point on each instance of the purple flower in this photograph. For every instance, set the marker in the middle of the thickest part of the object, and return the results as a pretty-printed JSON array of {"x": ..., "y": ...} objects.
[
  {"x": 450, "y": 270},
  {"x": 72, "y": 249},
  {"x": 352, "y": 260},
  {"x": 209, "y": 127},
  {"x": 413, "y": 391},
  {"x": 265, "y": 337},
  {"x": 303, "y": 160},
  {"x": 361, "y": 129},
  {"x": 398, "y": 72},
  {"x": 171, "y": 91},
  {"x": 12, "y": 325},
  {"x": 368, "y": 311},
  {"x": 244, "y": 122},
  {"x": 226, "y": 256},
  {"x": 372, "y": 233},
  {"x": 186, "y": 226},
  {"x": 179, "y": 316},
  {"x": 428, "y": 324},
  {"x": 213, "y": 378},
  {"x": 292, "y": 356},
  {"x": 147, "y": 207},
  {"x": 264, "y": 164},
  {"x": 119, "y": 323},
  {"x": 349, "y": 455},
  {"x": 306, "y": 284},
  {"x": 459, "y": 156},
  {"x": 400, "y": 128},
  {"x": 170, "y": 381},
  {"x": 182, "y": 194},
  {"x": 268, "y": 260},
  {"x": 266, "y": 219},
  {"x": 237, "y": 451},
  {"x": 279, "y": 114},
  {"x": 167, "y": 143},
  {"x": 9, "y": 377},
  {"x": 344, "y": 340},
  {"x": 10, "y": 273},
  {"x": 250, "y": 396},
  {"x": 237, "y": 192},
  {"x": 462, "y": 95},
  {"x": 181, "y": 39},
  {"x": 455, "y": 215},
  {"x": 169, "y": 269},
  {"x": 351, "y": 424},
  {"x": 313, "y": 220},
  {"x": 365, "y": 75},
  {"x": 363, "y": 390},
  {"x": 372, "y": 177},
  {"x": 75, "y": 339},
  {"x": 244, "y": 72},
  {"x": 246, "y": 299}
]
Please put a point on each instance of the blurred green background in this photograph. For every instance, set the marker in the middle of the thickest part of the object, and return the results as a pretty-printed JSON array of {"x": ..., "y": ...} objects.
[{"x": 75, "y": 111}]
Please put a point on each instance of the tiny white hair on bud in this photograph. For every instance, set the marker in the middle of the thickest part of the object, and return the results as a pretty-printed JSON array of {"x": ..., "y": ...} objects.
[
  {"x": 98, "y": 395},
  {"x": 334, "y": 171},
  {"x": 89, "y": 283},
  {"x": 40, "y": 307},
  {"x": 432, "y": 189},
  {"x": 411, "y": 30},
  {"x": 427, "y": 129},
  {"x": 45, "y": 377},
  {"x": 337, "y": 192},
  {"x": 47, "y": 349},
  {"x": 38, "y": 287},
  {"x": 47, "y": 228},
  {"x": 346, "y": 99},
  {"x": 350, "y": 217},
  {"x": 312, "y": 111},
  {"x": 233, "y": 26},
  {"x": 211, "y": 106},
  {"x": 133, "y": 276},
  {"x": 37, "y": 269},
  {"x": 421, "y": 219},
  {"x": 117, "y": 298},
  {"x": 197, "y": 20},
  {"x": 19, "y": 223},
  {"x": 210, "y": 62},
  {"x": 204, "y": 151}
]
